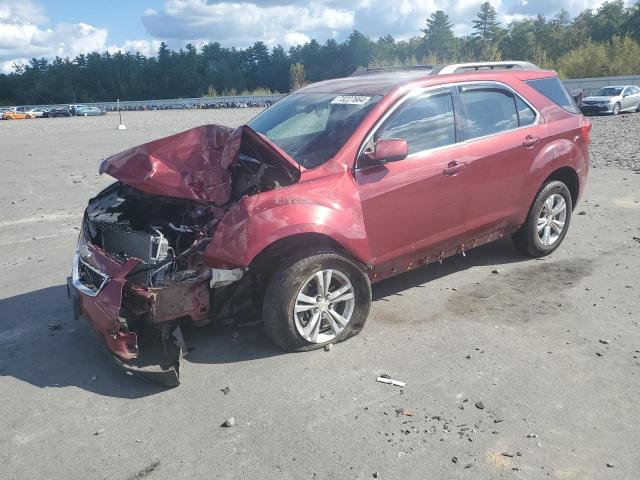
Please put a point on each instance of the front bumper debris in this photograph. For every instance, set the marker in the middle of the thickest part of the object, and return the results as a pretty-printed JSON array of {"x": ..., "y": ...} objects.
[{"x": 95, "y": 289}]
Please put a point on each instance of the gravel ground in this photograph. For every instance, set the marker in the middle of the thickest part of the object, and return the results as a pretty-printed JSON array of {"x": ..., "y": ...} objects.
[
  {"x": 531, "y": 372},
  {"x": 616, "y": 141}
]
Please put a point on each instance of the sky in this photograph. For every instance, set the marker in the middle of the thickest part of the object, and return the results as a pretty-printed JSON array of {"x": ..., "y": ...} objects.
[{"x": 46, "y": 28}]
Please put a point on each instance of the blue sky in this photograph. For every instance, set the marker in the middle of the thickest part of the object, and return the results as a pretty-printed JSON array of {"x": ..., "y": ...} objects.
[
  {"x": 46, "y": 28},
  {"x": 121, "y": 17}
]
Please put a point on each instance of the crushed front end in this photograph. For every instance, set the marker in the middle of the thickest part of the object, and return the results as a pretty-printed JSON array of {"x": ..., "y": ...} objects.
[
  {"x": 138, "y": 273},
  {"x": 139, "y": 270}
]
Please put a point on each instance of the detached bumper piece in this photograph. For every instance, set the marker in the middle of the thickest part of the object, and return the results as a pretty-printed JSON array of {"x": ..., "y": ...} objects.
[{"x": 96, "y": 289}]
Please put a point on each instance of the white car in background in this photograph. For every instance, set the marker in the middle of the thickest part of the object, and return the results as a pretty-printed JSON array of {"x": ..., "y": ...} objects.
[
  {"x": 37, "y": 112},
  {"x": 613, "y": 99}
]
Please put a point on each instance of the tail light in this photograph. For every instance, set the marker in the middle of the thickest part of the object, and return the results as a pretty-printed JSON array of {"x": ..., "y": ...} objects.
[{"x": 585, "y": 130}]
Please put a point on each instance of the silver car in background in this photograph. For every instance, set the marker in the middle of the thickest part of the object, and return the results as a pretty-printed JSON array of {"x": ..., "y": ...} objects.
[{"x": 614, "y": 99}]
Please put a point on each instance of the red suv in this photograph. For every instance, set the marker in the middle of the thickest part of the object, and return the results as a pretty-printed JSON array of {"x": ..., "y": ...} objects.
[{"x": 340, "y": 184}]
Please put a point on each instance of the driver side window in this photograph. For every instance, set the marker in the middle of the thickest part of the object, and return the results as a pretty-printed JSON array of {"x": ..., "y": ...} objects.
[{"x": 425, "y": 122}]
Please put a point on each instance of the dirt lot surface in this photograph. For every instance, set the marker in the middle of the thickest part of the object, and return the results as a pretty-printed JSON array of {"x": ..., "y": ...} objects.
[{"x": 515, "y": 368}]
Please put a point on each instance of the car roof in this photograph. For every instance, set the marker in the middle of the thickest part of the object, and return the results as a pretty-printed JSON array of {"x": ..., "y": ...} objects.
[{"x": 382, "y": 83}]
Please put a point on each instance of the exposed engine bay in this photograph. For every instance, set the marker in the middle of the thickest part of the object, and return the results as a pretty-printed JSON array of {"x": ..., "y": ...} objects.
[{"x": 161, "y": 241}]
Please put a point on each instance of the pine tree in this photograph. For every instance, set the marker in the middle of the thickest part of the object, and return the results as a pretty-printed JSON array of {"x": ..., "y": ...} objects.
[
  {"x": 486, "y": 26},
  {"x": 439, "y": 36}
]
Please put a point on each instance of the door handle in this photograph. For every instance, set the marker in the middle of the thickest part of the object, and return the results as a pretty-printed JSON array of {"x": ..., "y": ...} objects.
[
  {"x": 454, "y": 167},
  {"x": 530, "y": 141}
]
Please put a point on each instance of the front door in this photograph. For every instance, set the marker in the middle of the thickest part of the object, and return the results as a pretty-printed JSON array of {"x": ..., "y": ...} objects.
[{"x": 413, "y": 208}]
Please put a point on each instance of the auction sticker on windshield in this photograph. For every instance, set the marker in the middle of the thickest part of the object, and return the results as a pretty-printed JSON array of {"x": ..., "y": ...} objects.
[{"x": 350, "y": 100}]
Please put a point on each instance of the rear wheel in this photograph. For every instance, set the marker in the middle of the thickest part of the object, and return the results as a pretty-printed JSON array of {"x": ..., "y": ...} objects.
[
  {"x": 547, "y": 222},
  {"x": 316, "y": 297}
]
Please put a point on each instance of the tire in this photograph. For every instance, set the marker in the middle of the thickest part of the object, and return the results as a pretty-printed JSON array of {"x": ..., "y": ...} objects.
[
  {"x": 293, "y": 277},
  {"x": 528, "y": 239},
  {"x": 616, "y": 109}
]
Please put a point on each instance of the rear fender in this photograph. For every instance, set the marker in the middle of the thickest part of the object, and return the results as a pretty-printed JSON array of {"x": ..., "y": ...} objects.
[{"x": 558, "y": 153}]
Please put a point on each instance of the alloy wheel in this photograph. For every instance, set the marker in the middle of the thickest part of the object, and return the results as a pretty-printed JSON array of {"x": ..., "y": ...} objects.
[
  {"x": 551, "y": 219},
  {"x": 324, "y": 306}
]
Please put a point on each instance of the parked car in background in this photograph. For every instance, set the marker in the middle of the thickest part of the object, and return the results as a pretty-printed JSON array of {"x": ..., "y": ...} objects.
[
  {"x": 58, "y": 112},
  {"x": 17, "y": 115},
  {"x": 613, "y": 99},
  {"x": 37, "y": 112},
  {"x": 338, "y": 185},
  {"x": 74, "y": 108},
  {"x": 89, "y": 112}
]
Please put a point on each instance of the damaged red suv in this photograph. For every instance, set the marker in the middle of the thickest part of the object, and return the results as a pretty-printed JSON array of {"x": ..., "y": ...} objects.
[{"x": 290, "y": 218}]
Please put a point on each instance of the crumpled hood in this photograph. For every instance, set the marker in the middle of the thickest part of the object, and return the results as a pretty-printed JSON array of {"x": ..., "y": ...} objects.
[{"x": 195, "y": 164}]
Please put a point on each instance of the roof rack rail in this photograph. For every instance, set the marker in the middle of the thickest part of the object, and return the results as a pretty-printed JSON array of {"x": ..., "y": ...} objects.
[
  {"x": 374, "y": 70},
  {"x": 462, "y": 67}
]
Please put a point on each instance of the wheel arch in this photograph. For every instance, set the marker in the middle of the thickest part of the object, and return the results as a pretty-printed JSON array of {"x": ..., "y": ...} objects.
[
  {"x": 291, "y": 244},
  {"x": 569, "y": 177}
]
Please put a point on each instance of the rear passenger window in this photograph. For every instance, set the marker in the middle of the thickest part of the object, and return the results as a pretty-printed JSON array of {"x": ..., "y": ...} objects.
[
  {"x": 526, "y": 115},
  {"x": 425, "y": 122},
  {"x": 554, "y": 90},
  {"x": 488, "y": 111}
]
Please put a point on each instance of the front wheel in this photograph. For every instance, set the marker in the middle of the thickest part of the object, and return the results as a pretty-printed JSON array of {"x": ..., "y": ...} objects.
[
  {"x": 616, "y": 109},
  {"x": 547, "y": 222},
  {"x": 315, "y": 298}
]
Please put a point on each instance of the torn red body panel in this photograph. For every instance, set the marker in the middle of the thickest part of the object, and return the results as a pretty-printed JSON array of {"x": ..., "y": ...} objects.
[{"x": 101, "y": 308}]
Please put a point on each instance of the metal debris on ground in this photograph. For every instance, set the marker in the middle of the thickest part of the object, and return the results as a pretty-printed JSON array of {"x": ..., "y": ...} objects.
[
  {"x": 225, "y": 390},
  {"x": 387, "y": 379},
  {"x": 230, "y": 422},
  {"x": 480, "y": 405},
  {"x": 55, "y": 326},
  {"x": 404, "y": 411},
  {"x": 507, "y": 454},
  {"x": 604, "y": 341}
]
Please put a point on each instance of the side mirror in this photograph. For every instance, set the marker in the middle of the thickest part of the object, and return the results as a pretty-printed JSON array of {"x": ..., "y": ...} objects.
[{"x": 386, "y": 150}]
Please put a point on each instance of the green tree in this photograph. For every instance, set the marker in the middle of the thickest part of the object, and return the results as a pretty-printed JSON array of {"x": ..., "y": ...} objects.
[
  {"x": 439, "y": 37},
  {"x": 486, "y": 26},
  {"x": 608, "y": 21}
]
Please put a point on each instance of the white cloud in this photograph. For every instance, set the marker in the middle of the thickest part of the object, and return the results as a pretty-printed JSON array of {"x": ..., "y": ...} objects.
[
  {"x": 22, "y": 35},
  {"x": 144, "y": 47},
  {"x": 241, "y": 24}
]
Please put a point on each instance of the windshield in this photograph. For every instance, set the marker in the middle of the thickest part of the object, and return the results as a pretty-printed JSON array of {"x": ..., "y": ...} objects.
[
  {"x": 312, "y": 127},
  {"x": 609, "y": 92}
]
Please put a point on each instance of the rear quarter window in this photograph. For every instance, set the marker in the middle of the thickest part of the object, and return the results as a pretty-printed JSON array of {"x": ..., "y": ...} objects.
[{"x": 554, "y": 90}]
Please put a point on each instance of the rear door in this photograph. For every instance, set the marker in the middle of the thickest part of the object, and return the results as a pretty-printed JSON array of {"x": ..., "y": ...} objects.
[
  {"x": 414, "y": 208},
  {"x": 503, "y": 136}
]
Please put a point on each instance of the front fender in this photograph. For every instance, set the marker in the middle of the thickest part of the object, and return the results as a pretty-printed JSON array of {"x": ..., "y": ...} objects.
[{"x": 256, "y": 222}]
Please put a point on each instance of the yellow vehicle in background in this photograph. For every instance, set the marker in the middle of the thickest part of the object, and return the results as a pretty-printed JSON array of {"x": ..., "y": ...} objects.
[{"x": 17, "y": 115}]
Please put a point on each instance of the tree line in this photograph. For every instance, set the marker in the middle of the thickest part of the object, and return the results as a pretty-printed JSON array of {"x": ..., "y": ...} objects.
[{"x": 593, "y": 43}]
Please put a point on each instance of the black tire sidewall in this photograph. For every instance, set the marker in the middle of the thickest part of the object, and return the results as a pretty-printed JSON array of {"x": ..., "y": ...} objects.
[
  {"x": 283, "y": 289},
  {"x": 551, "y": 188}
]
